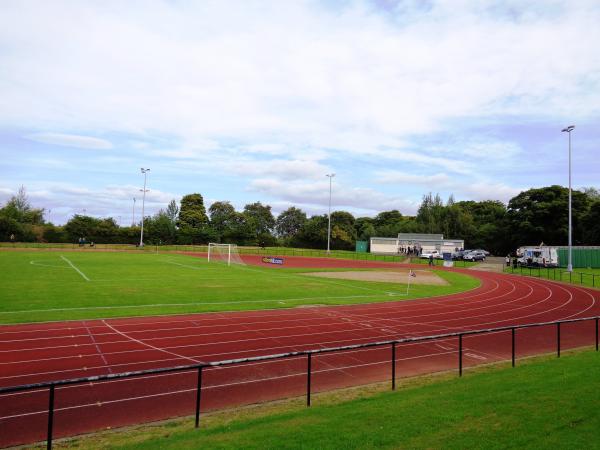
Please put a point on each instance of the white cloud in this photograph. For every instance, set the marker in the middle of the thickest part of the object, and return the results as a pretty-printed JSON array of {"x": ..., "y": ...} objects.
[
  {"x": 290, "y": 90},
  {"x": 317, "y": 194},
  {"x": 466, "y": 187},
  {"x": 214, "y": 70},
  {"x": 71, "y": 140},
  {"x": 281, "y": 169}
]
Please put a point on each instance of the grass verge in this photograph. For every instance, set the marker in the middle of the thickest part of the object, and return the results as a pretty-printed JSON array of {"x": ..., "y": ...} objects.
[{"x": 542, "y": 403}]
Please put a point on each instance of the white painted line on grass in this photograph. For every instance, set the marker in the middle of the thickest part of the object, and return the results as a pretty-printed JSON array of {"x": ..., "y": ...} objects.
[
  {"x": 78, "y": 271},
  {"x": 216, "y": 303}
]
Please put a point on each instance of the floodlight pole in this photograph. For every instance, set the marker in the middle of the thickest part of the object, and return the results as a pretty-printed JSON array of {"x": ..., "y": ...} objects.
[
  {"x": 133, "y": 213},
  {"x": 144, "y": 171},
  {"x": 570, "y": 264},
  {"x": 330, "y": 175}
]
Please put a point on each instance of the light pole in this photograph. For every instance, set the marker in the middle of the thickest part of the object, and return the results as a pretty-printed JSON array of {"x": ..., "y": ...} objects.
[
  {"x": 570, "y": 264},
  {"x": 133, "y": 213},
  {"x": 330, "y": 176},
  {"x": 144, "y": 171}
]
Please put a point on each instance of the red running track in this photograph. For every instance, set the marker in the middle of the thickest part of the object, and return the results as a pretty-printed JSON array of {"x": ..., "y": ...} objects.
[{"x": 52, "y": 351}]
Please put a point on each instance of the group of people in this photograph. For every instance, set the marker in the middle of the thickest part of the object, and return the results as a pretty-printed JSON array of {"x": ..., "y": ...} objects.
[
  {"x": 409, "y": 251},
  {"x": 83, "y": 242}
]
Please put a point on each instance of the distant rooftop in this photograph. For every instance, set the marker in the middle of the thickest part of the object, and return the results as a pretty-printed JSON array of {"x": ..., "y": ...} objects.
[{"x": 420, "y": 237}]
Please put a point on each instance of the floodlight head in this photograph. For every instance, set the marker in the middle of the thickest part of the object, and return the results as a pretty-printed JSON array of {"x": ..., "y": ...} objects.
[
  {"x": 330, "y": 175},
  {"x": 144, "y": 170},
  {"x": 568, "y": 129}
]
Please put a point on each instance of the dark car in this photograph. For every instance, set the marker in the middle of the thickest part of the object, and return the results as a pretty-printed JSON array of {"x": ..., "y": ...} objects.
[{"x": 457, "y": 256}]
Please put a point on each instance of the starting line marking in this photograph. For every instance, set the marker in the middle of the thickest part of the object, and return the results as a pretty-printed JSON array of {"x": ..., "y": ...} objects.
[
  {"x": 472, "y": 355},
  {"x": 73, "y": 266}
]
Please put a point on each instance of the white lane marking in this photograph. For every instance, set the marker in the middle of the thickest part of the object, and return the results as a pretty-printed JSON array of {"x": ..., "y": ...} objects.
[
  {"x": 97, "y": 347},
  {"x": 150, "y": 345},
  {"x": 36, "y": 263},
  {"x": 163, "y": 305},
  {"x": 443, "y": 347},
  {"x": 474, "y": 356},
  {"x": 78, "y": 271},
  {"x": 184, "y": 265}
]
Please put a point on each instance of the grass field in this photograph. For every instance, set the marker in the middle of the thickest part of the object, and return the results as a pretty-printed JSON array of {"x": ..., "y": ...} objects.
[
  {"x": 581, "y": 275},
  {"x": 542, "y": 403},
  {"x": 60, "y": 285}
]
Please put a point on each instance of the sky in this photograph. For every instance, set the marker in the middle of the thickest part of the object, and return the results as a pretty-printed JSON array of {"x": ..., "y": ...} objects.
[{"x": 258, "y": 100}]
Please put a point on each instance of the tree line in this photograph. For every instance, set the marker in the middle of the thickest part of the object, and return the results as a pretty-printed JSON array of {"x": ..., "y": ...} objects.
[{"x": 533, "y": 216}]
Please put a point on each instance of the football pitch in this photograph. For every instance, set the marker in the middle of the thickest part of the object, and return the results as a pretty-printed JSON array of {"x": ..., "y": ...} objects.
[{"x": 61, "y": 285}]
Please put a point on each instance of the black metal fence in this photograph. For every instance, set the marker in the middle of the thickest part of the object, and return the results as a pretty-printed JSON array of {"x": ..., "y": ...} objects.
[
  {"x": 556, "y": 274},
  {"x": 51, "y": 386}
]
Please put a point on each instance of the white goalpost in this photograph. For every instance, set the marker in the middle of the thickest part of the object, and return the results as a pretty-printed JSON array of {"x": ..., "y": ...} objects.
[{"x": 224, "y": 253}]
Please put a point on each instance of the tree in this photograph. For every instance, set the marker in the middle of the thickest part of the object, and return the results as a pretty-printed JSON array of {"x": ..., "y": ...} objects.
[
  {"x": 222, "y": 218},
  {"x": 541, "y": 215},
  {"x": 592, "y": 192},
  {"x": 160, "y": 229},
  {"x": 192, "y": 213},
  {"x": 261, "y": 221},
  {"x": 365, "y": 228},
  {"x": 172, "y": 211},
  {"x": 80, "y": 226},
  {"x": 591, "y": 224},
  {"x": 313, "y": 234},
  {"x": 19, "y": 209},
  {"x": 290, "y": 222},
  {"x": 385, "y": 218},
  {"x": 343, "y": 233},
  {"x": 431, "y": 214}
]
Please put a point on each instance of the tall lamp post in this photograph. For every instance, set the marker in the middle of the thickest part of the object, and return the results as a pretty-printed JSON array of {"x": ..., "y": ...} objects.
[
  {"x": 570, "y": 264},
  {"x": 144, "y": 171},
  {"x": 133, "y": 213},
  {"x": 330, "y": 176}
]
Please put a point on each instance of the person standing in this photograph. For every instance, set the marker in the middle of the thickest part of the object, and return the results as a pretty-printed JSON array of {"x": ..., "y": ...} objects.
[
  {"x": 507, "y": 260},
  {"x": 431, "y": 260}
]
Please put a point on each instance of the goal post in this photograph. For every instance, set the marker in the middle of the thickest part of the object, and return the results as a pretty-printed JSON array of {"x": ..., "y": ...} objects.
[{"x": 224, "y": 253}]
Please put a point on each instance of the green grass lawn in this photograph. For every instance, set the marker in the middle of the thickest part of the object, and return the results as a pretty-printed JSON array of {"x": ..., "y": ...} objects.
[
  {"x": 543, "y": 403},
  {"x": 58, "y": 285},
  {"x": 580, "y": 275}
]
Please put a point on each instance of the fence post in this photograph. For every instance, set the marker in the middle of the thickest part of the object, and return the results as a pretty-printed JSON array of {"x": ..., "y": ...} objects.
[
  {"x": 198, "y": 396},
  {"x": 460, "y": 362},
  {"x": 50, "y": 418},
  {"x": 570, "y": 277},
  {"x": 393, "y": 366},
  {"x": 596, "y": 334},
  {"x": 558, "y": 339},
  {"x": 308, "y": 376},
  {"x": 513, "y": 346}
]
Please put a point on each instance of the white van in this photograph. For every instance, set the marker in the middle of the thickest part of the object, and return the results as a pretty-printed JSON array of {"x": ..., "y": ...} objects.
[{"x": 537, "y": 256}]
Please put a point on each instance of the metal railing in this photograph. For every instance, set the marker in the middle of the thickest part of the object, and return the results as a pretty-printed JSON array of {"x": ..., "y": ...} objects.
[
  {"x": 550, "y": 273},
  {"x": 51, "y": 385}
]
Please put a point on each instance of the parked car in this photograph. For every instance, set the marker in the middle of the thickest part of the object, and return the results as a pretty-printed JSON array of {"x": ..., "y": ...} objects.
[
  {"x": 475, "y": 255},
  {"x": 457, "y": 256},
  {"x": 485, "y": 252},
  {"x": 435, "y": 253}
]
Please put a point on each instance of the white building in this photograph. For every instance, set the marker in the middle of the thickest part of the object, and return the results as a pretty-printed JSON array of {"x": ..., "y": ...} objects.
[{"x": 426, "y": 242}]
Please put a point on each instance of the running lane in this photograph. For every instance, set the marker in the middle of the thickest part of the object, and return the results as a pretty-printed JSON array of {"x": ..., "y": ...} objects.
[{"x": 51, "y": 351}]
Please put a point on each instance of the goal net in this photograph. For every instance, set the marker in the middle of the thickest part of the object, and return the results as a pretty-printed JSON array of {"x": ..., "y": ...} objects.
[{"x": 224, "y": 253}]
